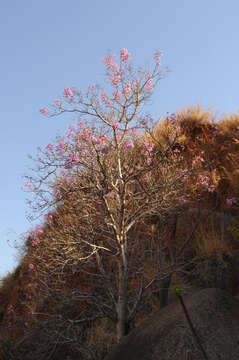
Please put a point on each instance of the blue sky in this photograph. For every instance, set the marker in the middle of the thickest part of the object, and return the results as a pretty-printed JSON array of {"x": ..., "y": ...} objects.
[{"x": 48, "y": 45}]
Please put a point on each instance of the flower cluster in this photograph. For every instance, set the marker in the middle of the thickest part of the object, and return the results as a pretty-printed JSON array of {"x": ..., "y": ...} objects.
[{"x": 231, "y": 201}]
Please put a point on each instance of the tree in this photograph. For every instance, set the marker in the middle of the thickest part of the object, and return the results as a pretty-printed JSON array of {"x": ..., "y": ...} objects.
[{"x": 117, "y": 175}]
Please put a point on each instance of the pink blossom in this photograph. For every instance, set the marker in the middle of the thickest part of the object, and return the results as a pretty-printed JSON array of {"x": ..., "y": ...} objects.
[
  {"x": 80, "y": 122},
  {"x": 203, "y": 180},
  {"x": 38, "y": 230},
  {"x": 124, "y": 55},
  {"x": 57, "y": 102},
  {"x": 50, "y": 147},
  {"x": 70, "y": 134},
  {"x": 31, "y": 266},
  {"x": 149, "y": 146},
  {"x": 99, "y": 141},
  {"x": 44, "y": 111},
  {"x": 61, "y": 146},
  {"x": 198, "y": 158},
  {"x": 149, "y": 82},
  {"x": 68, "y": 92},
  {"x": 10, "y": 309},
  {"x": 157, "y": 57},
  {"x": 171, "y": 119},
  {"x": 35, "y": 242},
  {"x": 115, "y": 125},
  {"x": 231, "y": 201},
  {"x": 127, "y": 89},
  {"x": 68, "y": 164},
  {"x": 110, "y": 63},
  {"x": 74, "y": 158},
  {"x": 104, "y": 96},
  {"x": 56, "y": 191},
  {"x": 48, "y": 218},
  {"x": 28, "y": 185},
  {"x": 211, "y": 188},
  {"x": 129, "y": 144},
  {"x": 114, "y": 80},
  {"x": 144, "y": 122},
  {"x": 158, "y": 61},
  {"x": 116, "y": 95},
  {"x": 105, "y": 151}
]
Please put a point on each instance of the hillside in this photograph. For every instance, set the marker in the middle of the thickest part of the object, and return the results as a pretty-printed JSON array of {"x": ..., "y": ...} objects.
[{"x": 59, "y": 303}]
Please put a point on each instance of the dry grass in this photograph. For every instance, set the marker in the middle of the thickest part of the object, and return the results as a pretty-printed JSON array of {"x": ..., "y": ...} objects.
[{"x": 210, "y": 241}]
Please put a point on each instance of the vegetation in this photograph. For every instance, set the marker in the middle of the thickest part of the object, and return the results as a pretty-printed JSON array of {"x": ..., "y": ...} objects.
[{"x": 135, "y": 213}]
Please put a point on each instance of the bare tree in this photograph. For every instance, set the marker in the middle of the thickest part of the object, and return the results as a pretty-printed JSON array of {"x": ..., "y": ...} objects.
[{"x": 116, "y": 177}]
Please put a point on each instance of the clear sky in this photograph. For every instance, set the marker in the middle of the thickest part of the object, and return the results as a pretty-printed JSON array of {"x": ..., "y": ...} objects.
[{"x": 48, "y": 45}]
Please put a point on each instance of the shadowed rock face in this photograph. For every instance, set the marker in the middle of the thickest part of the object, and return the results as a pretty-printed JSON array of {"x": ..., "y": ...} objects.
[{"x": 166, "y": 335}]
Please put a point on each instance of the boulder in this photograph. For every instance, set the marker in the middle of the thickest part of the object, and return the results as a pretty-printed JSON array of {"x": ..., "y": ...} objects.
[{"x": 166, "y": 335}]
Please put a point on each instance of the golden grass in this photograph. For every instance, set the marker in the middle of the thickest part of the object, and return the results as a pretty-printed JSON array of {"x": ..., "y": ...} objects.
[{"x": 210, "y": 241}]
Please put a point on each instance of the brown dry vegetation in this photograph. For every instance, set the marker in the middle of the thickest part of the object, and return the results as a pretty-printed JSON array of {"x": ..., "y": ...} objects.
[{"x": 73, "y": 310}]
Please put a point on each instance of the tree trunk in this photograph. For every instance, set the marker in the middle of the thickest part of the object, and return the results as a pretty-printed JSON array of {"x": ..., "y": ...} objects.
[
  {"x": 163, "y": 292},
  {"x": 122, "y": 298}
]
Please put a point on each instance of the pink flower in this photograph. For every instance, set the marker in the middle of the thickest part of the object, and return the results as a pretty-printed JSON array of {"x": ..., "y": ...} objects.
[
  {"x": 144, "y": 122},
  {"x": 198, "y": 158},
  {"x": 74, "y": 158},
  {"x": 48, "y": 218},
  {"x": 68, "y": 164},
  {"x": 50, "y": 147},
  {"x": 105, "y": 151},
  {"x": 104, "y": 96},
  {"x": 44, "y": 111},
  {"x": 70, "y": 134},
  {"x": 211, "y": 188},
  {"x": 129, "y": 144},
  {"x": 10, "y": 309},
  {"x": 231, "y": 201},
  {"x": 61, "y": 146},
  {"x": 157, "y": 57},
  {"x": 57, "y": 102},
  {"x": 110, "y": 63},
  {"x": 114, "y": 80},
  {"x": 149, "y": 82},
  {"x": 171, "y": 119},
  {"x": 149, "y": 146},
  {"x": 115, "y": 125},
  {"x": 158, "y": 61},
  {"x": 28, "y": 185},
  {"x": 38, "y": 230},
  {"x": 124, "y": 55},
  {"x": 116, "y": 95},
  {"x": 127, "y": 89},
  {"x": 80, "y": 122},
  {"x": 31, "y": 266},
  {"x": 35, "y": 242},
  {"x": 68, "y": 92}
]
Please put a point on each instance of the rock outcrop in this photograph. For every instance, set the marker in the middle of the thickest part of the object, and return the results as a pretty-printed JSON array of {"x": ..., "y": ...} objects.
[{"x": 167, "y": 335}]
